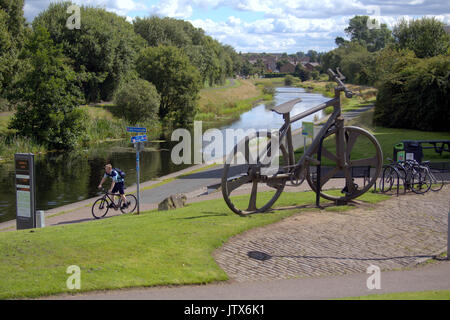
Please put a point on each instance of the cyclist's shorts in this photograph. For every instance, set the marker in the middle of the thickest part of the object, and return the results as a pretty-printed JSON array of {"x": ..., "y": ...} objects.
[{"x": 118, "y": 187}]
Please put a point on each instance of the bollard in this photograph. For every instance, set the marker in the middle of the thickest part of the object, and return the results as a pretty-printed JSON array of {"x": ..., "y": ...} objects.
[
  {"x": 40, "y": 219},
  {"x": 448, "y": 236}
]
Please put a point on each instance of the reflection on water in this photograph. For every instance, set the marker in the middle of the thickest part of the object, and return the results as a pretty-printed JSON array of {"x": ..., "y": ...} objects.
[
  {"x": 262, "y": 118},
  {"x": 67, "y": 178}
]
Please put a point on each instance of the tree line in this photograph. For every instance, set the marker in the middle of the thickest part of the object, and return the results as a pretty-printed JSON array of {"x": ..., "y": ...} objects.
[
  {"x": 409, "y": 65},
  {"x": 152, "y": 68}
]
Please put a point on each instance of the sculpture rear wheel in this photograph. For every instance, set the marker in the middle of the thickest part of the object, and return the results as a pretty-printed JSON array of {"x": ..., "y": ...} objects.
[
  {"x": 362, "y": 150},
  {"x": 246, "y": 171}
]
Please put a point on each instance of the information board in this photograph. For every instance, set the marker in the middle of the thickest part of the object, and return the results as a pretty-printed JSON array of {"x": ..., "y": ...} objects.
[{"x": 25, "y": 191}]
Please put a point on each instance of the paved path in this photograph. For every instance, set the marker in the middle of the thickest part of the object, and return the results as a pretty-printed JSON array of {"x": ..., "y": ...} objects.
[
  {"x": 396, "y": 233},
  {"x": 434, "y": 276}
]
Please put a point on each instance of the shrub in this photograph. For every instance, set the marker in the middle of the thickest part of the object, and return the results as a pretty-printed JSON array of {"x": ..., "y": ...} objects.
[
  {"x": 138, "y": 100},
  {"x": 288, "y": 80},
  {"x": 269, "y": 88},
  {"x": 415, "y": 96},
  {"x": 315, "y": 75}
]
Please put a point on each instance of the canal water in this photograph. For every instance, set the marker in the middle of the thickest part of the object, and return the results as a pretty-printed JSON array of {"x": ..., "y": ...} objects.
[{"x": 67, "y": 178}]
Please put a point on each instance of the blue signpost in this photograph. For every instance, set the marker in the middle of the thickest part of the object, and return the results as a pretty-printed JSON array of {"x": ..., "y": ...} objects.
[{"x": 138, "y": 142}]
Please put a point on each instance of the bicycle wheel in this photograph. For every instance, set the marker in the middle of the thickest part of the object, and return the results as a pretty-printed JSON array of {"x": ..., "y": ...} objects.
[
  {"x": 420, "y": 181},
  {"x": 437, "y": 181},
  {"x": 246, "y": 172},
  {"x": 389, "y": 178},
  {"x": 100, "y": 208},
  {"x": 363, "y": 155},
  {"x": 132, "y": 204}
]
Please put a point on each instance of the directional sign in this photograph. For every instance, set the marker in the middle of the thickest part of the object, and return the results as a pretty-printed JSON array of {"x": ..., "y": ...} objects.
[
  {"x": 136, "y": 129},
  {"x": 138, "y": 139},
  {"x": 308, "y": 129}
]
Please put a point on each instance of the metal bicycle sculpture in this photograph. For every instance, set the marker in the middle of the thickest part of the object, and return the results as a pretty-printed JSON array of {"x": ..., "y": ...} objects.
[{"x": 341, "y": 148}]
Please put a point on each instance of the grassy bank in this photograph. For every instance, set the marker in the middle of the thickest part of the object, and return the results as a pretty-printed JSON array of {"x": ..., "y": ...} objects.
[
  {"x": 363, "y": 95},
  {"x": 220, "y": 106},
  {"x": 103, "y": 123},
  {"x": 154, "y": 248},
  {"x": 388, "y": 137}
]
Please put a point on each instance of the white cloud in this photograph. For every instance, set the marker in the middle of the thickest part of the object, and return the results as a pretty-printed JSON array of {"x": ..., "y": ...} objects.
[
  {"x": 286, "y": 25},
  {"x": 122, "y": 7},
  {"x": 172, "y": 8}
]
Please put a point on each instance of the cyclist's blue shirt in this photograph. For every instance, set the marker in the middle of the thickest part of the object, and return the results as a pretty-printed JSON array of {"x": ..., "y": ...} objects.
[{"x": 115, "y": 176}]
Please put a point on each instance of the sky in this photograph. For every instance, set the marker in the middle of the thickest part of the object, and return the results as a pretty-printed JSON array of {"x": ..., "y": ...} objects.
[{"x": 268, "y": 25}]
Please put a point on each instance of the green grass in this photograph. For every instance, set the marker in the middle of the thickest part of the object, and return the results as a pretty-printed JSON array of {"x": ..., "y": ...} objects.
[
  {"x": 387, "y": 137},
  {"x": 421, "y": 295},
  {"x": 154, "y": 248},
  {"x": 219, "y": 106}
]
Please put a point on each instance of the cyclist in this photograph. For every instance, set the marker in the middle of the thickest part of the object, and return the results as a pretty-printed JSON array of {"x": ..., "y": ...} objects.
[{"x": 117, "y": 184}]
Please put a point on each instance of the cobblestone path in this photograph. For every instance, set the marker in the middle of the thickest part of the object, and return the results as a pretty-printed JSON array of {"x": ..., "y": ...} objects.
[{"x": 393, "y": 234}]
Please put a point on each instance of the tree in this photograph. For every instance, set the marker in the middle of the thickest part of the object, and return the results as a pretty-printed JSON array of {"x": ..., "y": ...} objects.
[
  {"x": 103, "y": 50},
  {"x": 340, "y": 41},
  {"x": 414, "y": 94},
  {"x": 177, "y": 82},
  {"x": 48, "y": 110},
  {"x": 302, "y": 73},
  {"x": 138, "y": 100},
  {"x": 355, "y": 62},
  {"x": 373, "y": 39},
  {"x": 214, "y": 60},
  {"x": 426, "y": 37},
  {"x": 313, "y": 55},
  {"x": 259, "y": 67},
  {"x": 13, "y": 32}
]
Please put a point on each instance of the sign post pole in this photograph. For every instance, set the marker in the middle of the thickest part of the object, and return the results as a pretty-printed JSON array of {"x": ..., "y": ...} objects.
[
  {"x": 138, "y": 175},
  {"x": 307, "y": 131},
  {"x": 139, "y": 146}
]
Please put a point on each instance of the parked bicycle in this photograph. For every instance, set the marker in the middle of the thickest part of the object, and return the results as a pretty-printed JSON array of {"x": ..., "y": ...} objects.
[
  {"x": 341, "y": 148},
  {"x": 101, "y": 206},
  {"x": 413, "y": 176}
]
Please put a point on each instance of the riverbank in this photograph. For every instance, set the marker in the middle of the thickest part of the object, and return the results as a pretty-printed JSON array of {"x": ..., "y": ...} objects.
[
  {"x": 220, "y": 106},
  {"x": 364, "y": 95}
]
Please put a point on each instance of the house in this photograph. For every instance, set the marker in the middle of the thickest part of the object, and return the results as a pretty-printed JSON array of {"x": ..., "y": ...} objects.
[
  {"x": 270, "y": 63},
  {"x": 287, "y": 68},
  {"x": 311, "y": 66}
]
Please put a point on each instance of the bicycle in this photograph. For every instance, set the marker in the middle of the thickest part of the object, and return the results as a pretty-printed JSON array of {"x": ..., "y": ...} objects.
[
  {"x": 102, "y": 205},
  {"x": 436, "y": 179},
  {"x": 246, "y": 166},
  {"x": 415, "y": 177}
]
